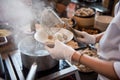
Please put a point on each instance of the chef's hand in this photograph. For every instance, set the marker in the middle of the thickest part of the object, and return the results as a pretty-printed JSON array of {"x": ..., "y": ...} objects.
[
  {"x": 85, "y": 37},
  {"x": 60, "y": 51}
]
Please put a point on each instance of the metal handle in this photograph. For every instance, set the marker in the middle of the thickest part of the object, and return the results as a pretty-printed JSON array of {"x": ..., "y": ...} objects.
[
  {"x": 32, "y": 72},
  {"x": 4, "y": 42}
]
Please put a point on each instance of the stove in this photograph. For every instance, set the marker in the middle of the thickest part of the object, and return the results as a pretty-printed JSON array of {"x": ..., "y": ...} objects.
[{"x": 14, "y": 70}]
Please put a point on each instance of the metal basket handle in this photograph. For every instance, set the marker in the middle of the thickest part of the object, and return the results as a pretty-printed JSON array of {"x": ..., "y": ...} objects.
[{"x": 4, "y": 42}]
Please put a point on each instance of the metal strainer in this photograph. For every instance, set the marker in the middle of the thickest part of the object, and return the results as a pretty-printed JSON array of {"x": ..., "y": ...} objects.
[{"x": 49, "y": 20}]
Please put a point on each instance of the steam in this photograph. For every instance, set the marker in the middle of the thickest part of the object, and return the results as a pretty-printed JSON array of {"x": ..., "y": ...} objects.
[
  {"x": 17, "y": 13},
  {"x": 20, "y": 15},
  {"x": 39, "y": 5}
]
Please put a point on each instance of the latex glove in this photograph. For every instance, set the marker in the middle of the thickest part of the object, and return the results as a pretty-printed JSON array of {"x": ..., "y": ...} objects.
[
  {"x": 60, "y": 51},
  {"x": 85, "y": 37}
]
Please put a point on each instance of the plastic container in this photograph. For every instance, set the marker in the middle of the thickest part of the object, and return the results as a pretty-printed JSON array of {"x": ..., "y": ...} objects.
[{"x": 102, "y": 22}]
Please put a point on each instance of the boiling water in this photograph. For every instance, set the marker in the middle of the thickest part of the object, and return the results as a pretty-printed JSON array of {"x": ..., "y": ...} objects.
[{"x": 41, "y": 52}]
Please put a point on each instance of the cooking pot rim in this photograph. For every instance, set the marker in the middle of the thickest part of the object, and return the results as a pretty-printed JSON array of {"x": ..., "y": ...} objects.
[{"x": 35, "y": 55}]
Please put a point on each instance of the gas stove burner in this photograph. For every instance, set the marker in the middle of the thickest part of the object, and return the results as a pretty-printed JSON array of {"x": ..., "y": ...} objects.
[
  {"x": 40, "y": 74},
  {"x": 61, "y": 71},
  {"x": 62, "y": 65}
]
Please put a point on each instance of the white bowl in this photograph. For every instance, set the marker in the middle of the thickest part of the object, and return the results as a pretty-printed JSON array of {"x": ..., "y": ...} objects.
[
  {"x": 42, "y": 36},
  {"x": 102, "y": 22}
]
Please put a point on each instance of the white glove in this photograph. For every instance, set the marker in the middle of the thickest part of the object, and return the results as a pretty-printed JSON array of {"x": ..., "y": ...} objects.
[
  {"x": 61, "y": 51},
  {"x": 85, "y": 37}
]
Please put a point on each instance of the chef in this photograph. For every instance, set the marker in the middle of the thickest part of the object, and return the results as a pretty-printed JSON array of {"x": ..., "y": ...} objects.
[{"x": 108, "y": 64}]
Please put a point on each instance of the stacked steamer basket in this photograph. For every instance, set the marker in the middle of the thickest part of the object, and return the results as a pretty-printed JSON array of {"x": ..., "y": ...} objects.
[{"x": 84, "y": 17}]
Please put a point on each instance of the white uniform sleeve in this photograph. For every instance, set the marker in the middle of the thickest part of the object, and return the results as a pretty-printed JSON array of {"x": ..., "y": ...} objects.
[
  {"x": 117, "y": 8},
  {"x": 117, "y": 68}
]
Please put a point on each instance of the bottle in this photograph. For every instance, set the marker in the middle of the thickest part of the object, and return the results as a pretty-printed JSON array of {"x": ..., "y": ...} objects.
[
  {"x": 105, "y": 3},
  {"x": 71, "y": 9}
]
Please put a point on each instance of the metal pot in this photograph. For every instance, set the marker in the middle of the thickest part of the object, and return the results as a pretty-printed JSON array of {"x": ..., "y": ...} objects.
[
  {"x": 6, "y": 39},
  {"x": 34, "y": 52}
]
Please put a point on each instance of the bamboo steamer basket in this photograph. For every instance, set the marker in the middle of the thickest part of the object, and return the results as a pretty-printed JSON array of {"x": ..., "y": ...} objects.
[{"x": 85, "y": 21}]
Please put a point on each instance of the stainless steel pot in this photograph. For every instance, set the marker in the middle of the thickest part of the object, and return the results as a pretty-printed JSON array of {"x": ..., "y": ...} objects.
[
  {"x": 6, "y": 39},
  {"x": 34, "y": 52}
]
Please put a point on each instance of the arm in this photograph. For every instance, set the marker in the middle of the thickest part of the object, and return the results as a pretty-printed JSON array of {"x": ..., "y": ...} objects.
[
  {"x": 107, "y": 68},
  {"x": 62, "y": 51}
]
